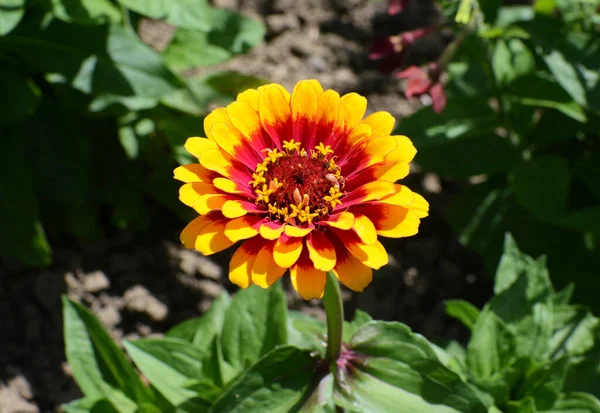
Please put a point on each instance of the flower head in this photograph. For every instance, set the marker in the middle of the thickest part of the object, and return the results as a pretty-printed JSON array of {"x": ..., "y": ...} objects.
[
  {"x": 421, "y": 82},
  {"x": 305, "y": 182}
]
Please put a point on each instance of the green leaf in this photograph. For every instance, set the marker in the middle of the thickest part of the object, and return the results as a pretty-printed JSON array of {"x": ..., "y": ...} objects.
[
  {"x": 585, "y": 220},
  {"x": 463, "y": 311},
  {"x": 584, "y": 375},
  {"x": 306, "y": 332},
  {"x": 397, "y": 370},
  {"x": 202, "y": 330},
  {"x": 173, "y": 366},
  {"x": 255, "y": 323},
  {"x": 22, "y": 235},
  {"x": 588, "y": 170},
  {"x": 219, "y": 88},
  {"x": 492, "y": 346},
  {"x": 541, "y": 185},
  {"x": 231, "y": 34},
  {"x": 86, "y": 11},
  {"x": 575, "y": 331},
  {"x": 545, "y": 6},
  {"x": 511, "y": 59},
  {"x": 321, "y": 400},
  {"x": 576, "y": 403},
  {"x": 191, "y": 14},
  {"x": 544, "y": 383},
  {"x": 20, "y": 97},
  {"x": 90, "y": 405},
  {"x": 11, "y": 13},
  {"x": 540, "y": 91},
  {"x": 449, "y": 141},
  {"x": 350, "y": 328},
  {"x": 93, "y": 59},
  {"x": 99, "y": 366},
  {"x": 279, "y": 382}
]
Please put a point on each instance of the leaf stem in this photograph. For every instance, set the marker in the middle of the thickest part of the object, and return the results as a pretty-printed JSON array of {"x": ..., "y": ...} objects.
[{"x": 332, "y": 301}]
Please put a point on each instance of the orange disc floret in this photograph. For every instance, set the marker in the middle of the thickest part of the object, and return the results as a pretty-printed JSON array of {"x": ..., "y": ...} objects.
[{"x": 305, "y": 181}]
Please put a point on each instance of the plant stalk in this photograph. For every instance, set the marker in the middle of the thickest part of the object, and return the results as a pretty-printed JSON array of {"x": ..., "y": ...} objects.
[{"x": 332, "y": 301}]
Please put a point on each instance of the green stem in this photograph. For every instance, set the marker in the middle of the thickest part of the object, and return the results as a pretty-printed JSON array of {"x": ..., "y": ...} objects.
[{"x": 332, "y": 301}]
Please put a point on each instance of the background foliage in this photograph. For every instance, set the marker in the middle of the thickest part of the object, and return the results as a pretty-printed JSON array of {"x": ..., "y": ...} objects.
[
  {"x": 92, "y": 120},
  {"x": 530, "y": 350},
  {"x": 523, "y": 116}
]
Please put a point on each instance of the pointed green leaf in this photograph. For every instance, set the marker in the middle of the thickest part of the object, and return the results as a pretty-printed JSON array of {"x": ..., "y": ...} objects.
[
  {"x": 397, "y": 370},
  {"x": 280, "y": 382},
  {"x": 86, "y": 11},
  {"x": 11, "y": 13},
  {"x": 191, "y": 14},
  {"x": 576, "y": 403},
  {"x": 255, "y": 323},
  {"x": 463, "y": 311},
  {"x": 99, "y": 366}
]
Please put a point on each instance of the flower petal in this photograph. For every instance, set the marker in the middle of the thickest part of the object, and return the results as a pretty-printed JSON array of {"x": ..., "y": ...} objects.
[
  {"x": 250, "y": 97},
  {"x": 381, "y": 123},
  {"x": 193, "y": 172},
  {"x": 391, "y": 221},
  {"x": 294, "y": 231},
  {"x": 265, "y": 271},
  {"x": 368, "y": 192},
  {"x": 350, "y": 271},
  {"x": 419, "y": 206},
  {"x": 306, "y": 279},
  {"x": 247, "y": 121},
  {"x": 403, "y": 197},
  {"x": 371, "y": 255},
  {"x": 234, "y": 143},
  {"x": 243, "y": 227},
  {"x": 352, "y": 109},
  {"x": 304, "y": 108},
  {"x": 231, "y": 187},
  {"x": 271, "y": 230},
  {"x": 275, "y": 114},
  {"x": 405, "y": 150},
  {"x": 341, "y": 220},
  {"x": 235, "y": 208},
  {"x": 221, "y": 162},
  {"x": 361, "y": 132},
  {"x": 190, "y": 193},
  {"x": 218, "y": 115},
  {"x": 364, "y": 228},
  {"x": 287, "y": 250},
  {"x": 211, "y": 239},
  {"x": 242, "y": 261},
  {"x": 197, "y": 146},
  {"x": 191, "y": 230},
  {"x": 325, "y": 118},
  {"x": 320, "y": 251}
]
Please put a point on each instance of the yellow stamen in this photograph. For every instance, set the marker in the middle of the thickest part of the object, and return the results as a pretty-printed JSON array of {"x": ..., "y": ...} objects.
[{"x": 291, "y": 145}]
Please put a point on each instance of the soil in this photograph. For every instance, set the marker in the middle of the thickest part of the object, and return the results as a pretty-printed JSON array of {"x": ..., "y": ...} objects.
[{"x": 142, "y": 284}]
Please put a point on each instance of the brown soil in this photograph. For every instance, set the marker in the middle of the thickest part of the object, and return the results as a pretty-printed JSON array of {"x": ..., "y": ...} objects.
[{"x": 140, "y": 285}]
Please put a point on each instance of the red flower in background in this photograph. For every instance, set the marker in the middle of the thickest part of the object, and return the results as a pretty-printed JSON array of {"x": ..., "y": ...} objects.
[
  {"x": 392, "y": 50},
  {"x": 421, "y": 82},
  {"x": 396, "y": 6}
]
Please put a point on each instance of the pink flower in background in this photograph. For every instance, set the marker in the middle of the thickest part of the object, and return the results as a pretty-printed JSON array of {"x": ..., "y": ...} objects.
[
  {"x": 420, "y": 82},
  {"x": 392, "y": 50},
  {"x": 396, "y": 6}
]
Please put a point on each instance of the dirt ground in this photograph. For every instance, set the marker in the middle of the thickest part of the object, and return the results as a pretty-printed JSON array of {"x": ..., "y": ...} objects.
[{"x": 141, "y": 285}]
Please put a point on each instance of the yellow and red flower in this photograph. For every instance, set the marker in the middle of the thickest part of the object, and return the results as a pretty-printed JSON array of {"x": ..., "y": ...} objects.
[{"x": 305, "y": 181}]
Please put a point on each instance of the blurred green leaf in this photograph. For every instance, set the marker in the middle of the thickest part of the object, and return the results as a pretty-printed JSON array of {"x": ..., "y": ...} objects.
[
  {"x": 541, "y": 185},
  {"x": 90, "y": 405},
  {"x": 306, "y": 332},
  {"x": 20, "y": 97},
  {"x": 587, "y": 168},
  {"x": 576, "y": 403},
  {"x": 94, "y": 59},
  {"x": 99, "y": 367},
  {"x": 575, "y": 334},
  {"x": 277, "y": 383},
  {"x": 255, "y": 323},
  {"x": 492, "y": 346},
  {"x": 396, "y": 367},
  {"x": 540, "y": 91},
  {"x": 231, "y": 34},
  {"x": 22, "y": 235},
  {"x": 544, "y": 6},
  {"x": 201, "y": 331},
  {"x": 463, "y": 311},
  {"x": 585, "y": 374},
  {"x": 191, "y": 14},
  {"x": 173, "y": 366},
  {"x": 11, "y": 13},
  {"x": 350, "y": 328},
  {"x": 511, "y": 59},
  {"x": 85, "y": 11},
  {"x": 544, "y": 383},
  {"x": 585, "y": 220},
  {"x": 219, "y": 88}
]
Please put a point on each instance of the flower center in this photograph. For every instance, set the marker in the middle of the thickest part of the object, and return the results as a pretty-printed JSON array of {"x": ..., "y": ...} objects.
[{"x": 297, "y": 187}]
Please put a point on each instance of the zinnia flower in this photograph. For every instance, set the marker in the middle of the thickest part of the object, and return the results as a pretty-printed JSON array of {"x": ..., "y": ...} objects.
[
  {"x": 305, "y": 181},
  {"x": 421, "y": 82}
]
